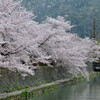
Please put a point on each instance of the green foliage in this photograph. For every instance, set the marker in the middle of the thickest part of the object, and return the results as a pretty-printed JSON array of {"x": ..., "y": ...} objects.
[
  {"x": 43, "y": 66},
  {"x": 98, "y": 42},
  {"x": 25, "y": 93},
  {"x": 1, "y": 69},
  {"x": 94, "y": 74},
  {"x": 81, "y": 12}
]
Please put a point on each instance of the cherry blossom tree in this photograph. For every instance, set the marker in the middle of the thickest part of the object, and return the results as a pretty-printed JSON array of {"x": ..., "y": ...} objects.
[
  {"x": 24, "y": 42},
  {"x": 18, "y": 48},
  {"x": 68, "y": 50}
]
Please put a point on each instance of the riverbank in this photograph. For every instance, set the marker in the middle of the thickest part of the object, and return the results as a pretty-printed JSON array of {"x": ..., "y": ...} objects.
[
  {"x": 80, "y": 91},
  {"x": 33, "y": 91}
]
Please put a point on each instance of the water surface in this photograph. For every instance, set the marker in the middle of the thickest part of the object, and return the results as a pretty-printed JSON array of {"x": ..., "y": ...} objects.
[{"x": 79, "y": 91}]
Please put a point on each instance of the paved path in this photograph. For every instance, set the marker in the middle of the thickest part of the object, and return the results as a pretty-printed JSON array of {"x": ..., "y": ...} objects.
[{"x": 5, "y": 95}]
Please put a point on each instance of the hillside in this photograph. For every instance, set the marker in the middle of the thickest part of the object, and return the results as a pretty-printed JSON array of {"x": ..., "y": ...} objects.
[{"x": 80, "y": 12}]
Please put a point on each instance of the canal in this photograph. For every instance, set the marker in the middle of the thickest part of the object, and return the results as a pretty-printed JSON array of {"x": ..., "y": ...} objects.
[{"x": 79, "y": 91}]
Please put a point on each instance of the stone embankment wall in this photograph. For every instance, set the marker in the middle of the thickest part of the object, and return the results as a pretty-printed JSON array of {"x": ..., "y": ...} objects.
[
  {"x": 10, "y": 81},
  {"x": 15, "y": 87}
]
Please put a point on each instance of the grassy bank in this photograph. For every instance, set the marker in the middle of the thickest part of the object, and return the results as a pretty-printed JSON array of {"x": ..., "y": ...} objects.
[{"x": 42, "y": 88}]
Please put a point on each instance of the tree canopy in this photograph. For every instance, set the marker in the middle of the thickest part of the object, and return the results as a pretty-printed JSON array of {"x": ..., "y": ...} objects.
[
  {"x": 80, "y": 12},
  {"x": 24, "y": 42}
]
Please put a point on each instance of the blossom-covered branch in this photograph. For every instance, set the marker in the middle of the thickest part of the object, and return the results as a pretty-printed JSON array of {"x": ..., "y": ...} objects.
[{"x": 25, "y": 43}]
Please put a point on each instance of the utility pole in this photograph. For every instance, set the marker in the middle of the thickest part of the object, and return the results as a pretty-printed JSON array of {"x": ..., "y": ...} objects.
[
  {"x": 94, "y": 29},
  {"x": 93, "y": 32}
]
